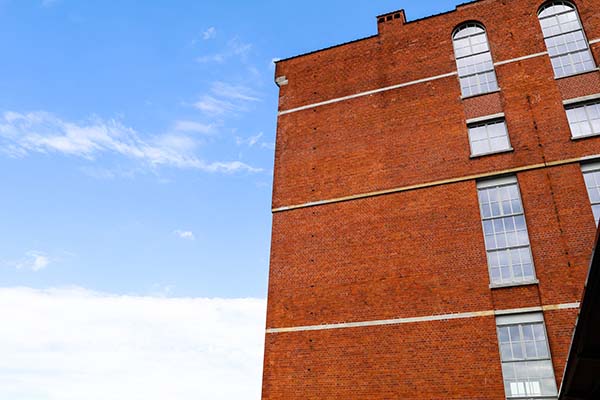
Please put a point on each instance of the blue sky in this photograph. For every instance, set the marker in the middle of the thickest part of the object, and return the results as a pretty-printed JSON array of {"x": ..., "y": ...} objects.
[
  {"x": 136, "y": 151},
  {"x": 192, "y": 79}
]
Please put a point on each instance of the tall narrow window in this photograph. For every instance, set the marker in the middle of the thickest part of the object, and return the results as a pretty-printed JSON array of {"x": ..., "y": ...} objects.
[
  {"x": 474, "y": 60},
  {"x": 584, "y": 119},
  {"x": 506, "y": 238},
  {"x": 591, "y": 175},
  {"x": 565, "y": 39},
  {"x": 526, "y": 363}
]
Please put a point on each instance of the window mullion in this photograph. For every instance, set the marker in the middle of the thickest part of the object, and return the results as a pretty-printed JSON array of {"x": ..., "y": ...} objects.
[{"x": 562, "y": 33}]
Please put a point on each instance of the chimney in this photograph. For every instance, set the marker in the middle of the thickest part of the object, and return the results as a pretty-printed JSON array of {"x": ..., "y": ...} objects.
[{"x": 390, "y": 21}]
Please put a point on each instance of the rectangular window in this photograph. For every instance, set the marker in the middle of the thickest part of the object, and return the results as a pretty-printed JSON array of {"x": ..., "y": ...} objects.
[
  {"x": 526, "y": 363},
  {"x": 584, "y": 119},
  {"x": 591, "y": 175},
  {"x": 488, "y": 137},
  {"x": 506, "y": 238}
]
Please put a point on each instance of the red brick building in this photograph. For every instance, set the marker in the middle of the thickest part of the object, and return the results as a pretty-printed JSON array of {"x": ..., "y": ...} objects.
[{"x": 433, "y": 206}]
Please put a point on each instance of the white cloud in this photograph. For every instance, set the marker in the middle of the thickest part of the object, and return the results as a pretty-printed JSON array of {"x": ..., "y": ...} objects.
[
  {"x": 239, "y": 48},
  {"x": 215, "y": 107},
  {"x": 41, "y": 132},
  {"x": 188, "y": 235},
  {"x": 211, "y": 58},
  {"x": 39, "y": 261},
  {"x": 250, "y": 142},
  {"x": 236, "y": 92},
  {"x": 268, "y": 145},
  {"x": 33, "y": 260},
  {"x": 194, "y": 127},
  {"x": 210, "y": 33},
  {"x": 225, "y": 98},
  {"x": 74, "y": 344},
  {"x": 255, "y": 141},
  {"x": 235, "y": 48}
]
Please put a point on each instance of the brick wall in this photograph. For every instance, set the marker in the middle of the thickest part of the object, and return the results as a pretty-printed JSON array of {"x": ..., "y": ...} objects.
[{"x": 418, "y": 252}]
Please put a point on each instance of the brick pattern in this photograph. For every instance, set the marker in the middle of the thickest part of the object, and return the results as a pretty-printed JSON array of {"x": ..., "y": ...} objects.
[
  {"x": 420, "y": 252},
  {"x": 579, "y": 85},
  {"x": 481, "y": 106},
  {"x": 418, "y": 361}
]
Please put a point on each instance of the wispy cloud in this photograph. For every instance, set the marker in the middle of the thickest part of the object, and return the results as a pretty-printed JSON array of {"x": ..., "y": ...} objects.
[
  {"x": 45, "y": 133},
  {"x": 194, "y": 127},
  {"x": 210, "y": 33},
  {"x": 33, "y": 260},
  {"x": 225, "y": 98},
  {"x": 253, "y": 141},
  {"x": 210, "y": 105},
  {"x": 74, "y": 344},
  {"x": 235, "y": 92},
  {"x": 211, "y": 58},
  {"x": 187, "y": 235},
  {"x": 235, "y": 48}
]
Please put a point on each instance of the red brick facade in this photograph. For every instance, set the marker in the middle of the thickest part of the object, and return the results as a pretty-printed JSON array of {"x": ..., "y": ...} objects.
[{"x": 417, "y": 249}]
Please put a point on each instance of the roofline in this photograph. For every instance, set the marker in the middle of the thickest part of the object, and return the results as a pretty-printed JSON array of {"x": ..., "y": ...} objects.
[
  {"x": 373, "y": 36},
  {"x": 391, "y": 12},
  {"x": 325, "y": 49}
]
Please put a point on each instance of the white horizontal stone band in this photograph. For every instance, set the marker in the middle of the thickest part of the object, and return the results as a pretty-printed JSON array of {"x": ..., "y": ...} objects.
[
  {"x": 401, "y": 85},
  {"x": 484, "y": 118},
  {"x": 430, "y": 318},
  {"x": 581, "y": 99},
  {"x": 521, "y": 58},
  {"x": 459, "y": 179},
  {"x": 368, "y": 93}
]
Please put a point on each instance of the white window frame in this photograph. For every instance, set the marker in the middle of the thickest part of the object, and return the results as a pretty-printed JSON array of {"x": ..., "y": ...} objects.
[
  {"x": 511, "y": 320},
  {"x": 485, "y": 121},
  {"x": 585, "y": 106},
  {"x": 463, "y": 76},
  {"x": 501, "y": 182},
  {"x": 568, "y": 53},
  {"x": 587, "y": 169}
]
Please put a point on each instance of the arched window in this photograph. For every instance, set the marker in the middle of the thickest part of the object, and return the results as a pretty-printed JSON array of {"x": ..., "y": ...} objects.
[
  {"x": 474, "y": 60},
  {"x": 566, "y": 42}
]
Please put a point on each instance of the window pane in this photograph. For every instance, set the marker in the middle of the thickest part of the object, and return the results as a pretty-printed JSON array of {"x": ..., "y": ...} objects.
[
  {"x": 584, "y": 119},
  {"x": 526, "y": 365},
  {"x": 565, "y": 40},
  {"x": 505, "y": 235},
  {"x": 474, "y": 60},
  {"x": 488, "y": 137},
  {"x": 592, "y": 183}
]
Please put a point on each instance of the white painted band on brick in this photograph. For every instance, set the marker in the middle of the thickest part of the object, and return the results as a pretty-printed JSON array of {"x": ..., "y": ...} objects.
[
  {"x": 367, "y": 93},
  {"x": 582, "y": 99},
  {"x": 437, "y": 183},
  {"x": 401, "y": 85},
  {"x": 398, "y": 86},
  {"x": 512, "y": 60},
  {"x": 430, "y": 318},
  {"x": 484, "y": 118}
]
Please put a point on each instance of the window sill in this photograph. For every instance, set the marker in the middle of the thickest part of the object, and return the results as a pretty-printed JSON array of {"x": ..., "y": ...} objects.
[
  {"x": 509, "y": 150},
  {"x": 472, "y": 96},
  {"x": 577, "y": 73},
  {"x": 584, "y": 137},
  {"x": 514, "y": 284}
]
